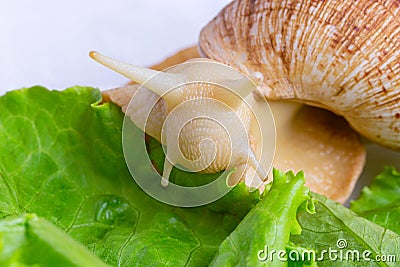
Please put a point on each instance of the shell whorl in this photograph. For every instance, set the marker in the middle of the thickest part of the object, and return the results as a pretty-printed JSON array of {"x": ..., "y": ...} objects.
[{"x": 340, "y": 55}]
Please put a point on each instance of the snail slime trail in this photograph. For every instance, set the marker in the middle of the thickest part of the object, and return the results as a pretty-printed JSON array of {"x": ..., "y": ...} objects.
[{"x": 200, "y": 112}]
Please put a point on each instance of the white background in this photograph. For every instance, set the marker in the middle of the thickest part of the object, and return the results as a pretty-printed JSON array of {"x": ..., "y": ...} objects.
[{"x": 46, "y": 42}]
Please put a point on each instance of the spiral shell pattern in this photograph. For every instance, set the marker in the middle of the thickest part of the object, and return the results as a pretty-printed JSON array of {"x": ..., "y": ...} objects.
[{"x": 343, "y": 56}]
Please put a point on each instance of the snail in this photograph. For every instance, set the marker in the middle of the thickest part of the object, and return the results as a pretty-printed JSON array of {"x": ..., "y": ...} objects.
[
  {"x": 204, "y": 126},
  {"x": 343, "y": 56},
  {"x": 308, "y": 139}
]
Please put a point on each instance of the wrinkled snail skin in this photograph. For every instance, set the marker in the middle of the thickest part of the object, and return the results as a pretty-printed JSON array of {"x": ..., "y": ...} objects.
[
  {"x": 343, "y": 56},
  {"x": 192, "y": 139}
]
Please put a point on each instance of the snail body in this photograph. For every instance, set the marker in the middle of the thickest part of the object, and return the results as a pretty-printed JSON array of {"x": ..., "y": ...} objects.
[
  {"x": 203, "y": 126},
  {"x": 343, "y": 56}
]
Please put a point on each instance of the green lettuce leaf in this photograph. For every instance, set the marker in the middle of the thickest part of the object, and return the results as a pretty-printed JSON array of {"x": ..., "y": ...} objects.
[
  {"x": 285, "y": 230},
  {"x": 31, "y": 241},
  {"x": 61, "y": 158},
  {"x": 335, "y": 228},
  {"x": 269, "y": 224},
  {"x": 380, "y": 202}
]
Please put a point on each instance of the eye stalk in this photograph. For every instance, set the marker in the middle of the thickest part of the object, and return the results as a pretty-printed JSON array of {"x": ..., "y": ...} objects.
[
  {"x": 163, "y": 83},
  {"x": 244, "y": 86},
  {"x": 157, "y": 81}
]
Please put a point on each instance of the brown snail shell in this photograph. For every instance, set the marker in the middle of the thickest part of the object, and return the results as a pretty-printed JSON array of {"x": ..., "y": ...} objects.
[{"x": 343, "y": 56}]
